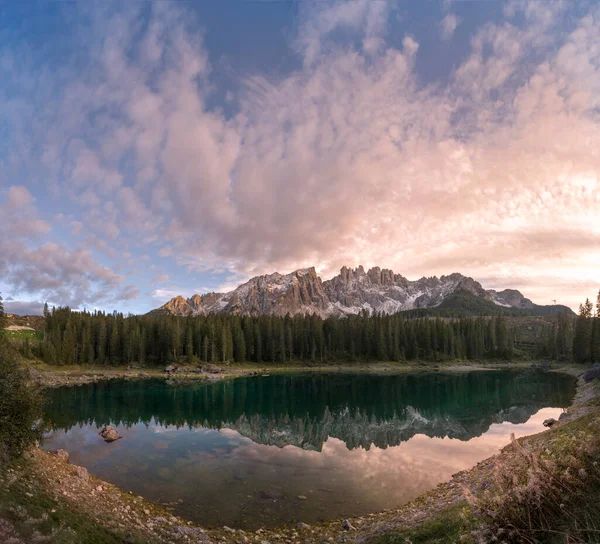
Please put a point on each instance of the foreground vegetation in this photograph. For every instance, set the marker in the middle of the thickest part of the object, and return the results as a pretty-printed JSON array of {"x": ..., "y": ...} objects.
[{"x": 20, "y": 407}]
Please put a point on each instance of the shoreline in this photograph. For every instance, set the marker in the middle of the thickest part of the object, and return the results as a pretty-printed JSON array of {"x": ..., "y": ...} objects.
[
  {"x": 46, "y": 376},
  {"x": 155, "y": 523}
]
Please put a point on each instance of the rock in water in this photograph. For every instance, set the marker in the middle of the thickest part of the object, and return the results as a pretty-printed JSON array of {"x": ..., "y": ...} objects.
[
  {"x": 109, "y": 434},
  {"x": 549, "y": 422},
  {"x": 272, "y": 493}
]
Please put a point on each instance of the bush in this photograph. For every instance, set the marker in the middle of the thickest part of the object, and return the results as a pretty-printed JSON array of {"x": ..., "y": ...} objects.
[{"x": 20, "y": 406}]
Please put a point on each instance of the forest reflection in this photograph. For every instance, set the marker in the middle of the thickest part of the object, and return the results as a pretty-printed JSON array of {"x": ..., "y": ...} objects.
[{"x": 305, "y": 409}]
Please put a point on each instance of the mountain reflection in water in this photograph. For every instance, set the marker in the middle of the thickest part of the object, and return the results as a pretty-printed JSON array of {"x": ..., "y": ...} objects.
[
  {"x": 304, "y": 410},
  {"x": 275, "y": 449}
]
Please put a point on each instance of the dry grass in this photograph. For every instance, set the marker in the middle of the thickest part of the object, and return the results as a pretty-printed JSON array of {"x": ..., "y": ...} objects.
[{"x": 545, "y": 495}]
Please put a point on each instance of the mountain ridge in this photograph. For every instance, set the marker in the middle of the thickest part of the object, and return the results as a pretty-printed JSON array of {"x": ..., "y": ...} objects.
[{"x": 352, "y": 291}]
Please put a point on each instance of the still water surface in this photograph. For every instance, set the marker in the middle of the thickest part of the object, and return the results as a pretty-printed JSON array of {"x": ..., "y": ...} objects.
[{"x": 268, "y": 450}]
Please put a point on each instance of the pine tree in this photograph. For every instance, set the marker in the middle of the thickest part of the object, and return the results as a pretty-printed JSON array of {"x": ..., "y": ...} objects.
[
  {"x": 582, "y": 338},
  {"x": 114, "y": 355},
  {"x": 2, "y": 315},
  {"x": 101, "y": 341},
  {"x": 189, "y": 342}
]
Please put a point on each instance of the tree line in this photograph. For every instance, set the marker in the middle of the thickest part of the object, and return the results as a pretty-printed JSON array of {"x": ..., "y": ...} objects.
[
  {"x": 586, "y": 343},
  {"x": 102, "y": 338}
]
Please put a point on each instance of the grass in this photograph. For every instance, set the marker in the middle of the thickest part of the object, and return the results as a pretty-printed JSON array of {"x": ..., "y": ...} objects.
[
  {"x": 546, "y": 493},
  {"x": 37, "y": 336},
  {"x": 36, "y": 516},
  {"x": 443, "y": 529}
]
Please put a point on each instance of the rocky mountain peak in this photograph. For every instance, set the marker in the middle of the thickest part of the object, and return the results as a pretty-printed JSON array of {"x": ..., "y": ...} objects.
[{"x": 350, "y": 292}]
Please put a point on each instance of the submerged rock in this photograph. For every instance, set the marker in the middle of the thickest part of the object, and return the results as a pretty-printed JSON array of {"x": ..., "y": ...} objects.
[
  {"x": 271, "y": 493},
  {"x": 109, "y": 434}
]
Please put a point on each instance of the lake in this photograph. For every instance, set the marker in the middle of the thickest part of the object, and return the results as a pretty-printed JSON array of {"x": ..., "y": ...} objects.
[{"x": 267, "y": 450}]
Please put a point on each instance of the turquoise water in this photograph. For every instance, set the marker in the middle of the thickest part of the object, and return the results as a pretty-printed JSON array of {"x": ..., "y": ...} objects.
[{"x": 267, "y": 450}]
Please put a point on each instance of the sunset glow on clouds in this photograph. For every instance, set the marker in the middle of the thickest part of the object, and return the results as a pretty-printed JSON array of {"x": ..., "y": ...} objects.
[{"x": 170, "y": 148}]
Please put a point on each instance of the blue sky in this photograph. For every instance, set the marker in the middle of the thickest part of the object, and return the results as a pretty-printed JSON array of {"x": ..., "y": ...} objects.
[{"x": 161, "y": 148}]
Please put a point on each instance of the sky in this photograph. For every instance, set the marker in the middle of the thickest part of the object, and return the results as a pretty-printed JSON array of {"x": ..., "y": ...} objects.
[{"x": 151, "y": 149}]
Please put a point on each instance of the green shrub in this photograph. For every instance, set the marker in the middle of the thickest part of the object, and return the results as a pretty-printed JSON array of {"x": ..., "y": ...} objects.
[{"x": 20, "y": 406}]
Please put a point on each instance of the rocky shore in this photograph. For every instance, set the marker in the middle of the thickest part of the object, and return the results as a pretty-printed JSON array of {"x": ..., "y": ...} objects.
[{"x": 57, "y": 376}]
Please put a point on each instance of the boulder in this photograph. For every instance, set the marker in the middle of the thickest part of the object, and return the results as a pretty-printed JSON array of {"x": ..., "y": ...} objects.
[
  {"x": 211, "y": 369},
  {"x": 195, "y": 533},
  {"x": 82, "y": 473},
  {"x": 591, "y": 374},
  {"x": 549, "y": 422},
  {"x": 63, "y": 455},
  {"x": 171, "y": 369},
  {"x": 109, "y": 434}
]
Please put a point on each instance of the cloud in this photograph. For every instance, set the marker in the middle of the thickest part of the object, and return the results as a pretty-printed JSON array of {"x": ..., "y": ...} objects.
[
  {"x": 164, "y": 295},
  {"x": 18, "y": 197},
  {"x": 24, "y": 307},
  {"x": 448, "y": 26},
  {"x": 129, "y": 292},
  {"x": 319, "y": 20},
  {"x": 350, "y": 159},
  {"x": 52, "y": 271}
]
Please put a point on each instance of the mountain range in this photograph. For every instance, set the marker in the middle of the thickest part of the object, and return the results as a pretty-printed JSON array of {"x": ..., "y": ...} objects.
[{"x": 351, "y": 292}]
